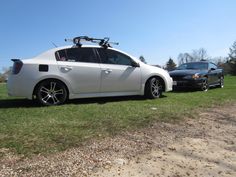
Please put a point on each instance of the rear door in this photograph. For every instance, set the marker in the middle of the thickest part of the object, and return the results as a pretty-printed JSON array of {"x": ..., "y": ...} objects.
[
  {"x": 81, "y": 68},
  {"x": 118, "y": 74}
]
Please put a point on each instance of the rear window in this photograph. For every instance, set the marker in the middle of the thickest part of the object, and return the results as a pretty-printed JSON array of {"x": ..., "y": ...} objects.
[{"x": 77, "y": 55}]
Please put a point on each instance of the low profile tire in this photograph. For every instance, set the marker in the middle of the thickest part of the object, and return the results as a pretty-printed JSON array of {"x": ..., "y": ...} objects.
[
  {"x": 221, "y": 82},
  {"x": 51, "y": 92},
  {"x": 153, "y": 88},
  {"x": 205, "y": 85}
]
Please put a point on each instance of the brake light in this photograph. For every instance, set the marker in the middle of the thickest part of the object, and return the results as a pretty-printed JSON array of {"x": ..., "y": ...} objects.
[{"x": 16, "y": 66}]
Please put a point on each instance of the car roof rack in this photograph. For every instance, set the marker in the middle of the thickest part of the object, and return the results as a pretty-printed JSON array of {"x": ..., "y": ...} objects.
[{"x": 102, "y": 42}]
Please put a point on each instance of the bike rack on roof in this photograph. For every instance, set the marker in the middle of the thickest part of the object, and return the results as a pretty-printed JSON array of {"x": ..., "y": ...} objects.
[{"x": 102, "y": 42}]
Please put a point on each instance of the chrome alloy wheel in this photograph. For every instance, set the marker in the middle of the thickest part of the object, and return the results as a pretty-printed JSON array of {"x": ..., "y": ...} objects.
[
  {"x": 205, "y": 85},
  {"x": 155, "y": 88},
  {"x": 221, "y": 82},
  {"x": 51, "y": 93}
]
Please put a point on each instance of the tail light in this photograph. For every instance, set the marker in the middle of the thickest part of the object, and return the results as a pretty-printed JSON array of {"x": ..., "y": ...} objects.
[{"x": 16, "y": 66}]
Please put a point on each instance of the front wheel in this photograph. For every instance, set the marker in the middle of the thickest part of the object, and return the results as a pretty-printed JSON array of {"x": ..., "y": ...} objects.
[
  {"x": 51, "y": 92},
  {"x": 153, "y": 88},
  {"x": 205, "y": 85}
]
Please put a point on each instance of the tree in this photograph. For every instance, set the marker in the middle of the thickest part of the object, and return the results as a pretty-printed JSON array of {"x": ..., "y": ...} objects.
[
  {"x": 184, "y": 58},
  {"x": 5, "y": 73},
  {"x": 196, "y": 55},
  {"x": 200, "y": 54},
  {"x": 232, "y": 59},
  {"x": 142, "y": 59},
  {"x": 170, "y": 65}
]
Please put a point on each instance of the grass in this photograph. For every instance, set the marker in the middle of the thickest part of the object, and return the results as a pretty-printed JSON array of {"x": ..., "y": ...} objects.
[{"x": 27, "y": 129}]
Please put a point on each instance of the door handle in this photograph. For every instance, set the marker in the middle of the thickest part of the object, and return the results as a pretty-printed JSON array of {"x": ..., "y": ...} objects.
[
  {"x": 66, "y": 68},
  {"x": 107, "y": 71}
]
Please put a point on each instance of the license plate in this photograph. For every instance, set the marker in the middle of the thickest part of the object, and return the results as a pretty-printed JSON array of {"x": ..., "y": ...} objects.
[{"x": 174, "y": 82}]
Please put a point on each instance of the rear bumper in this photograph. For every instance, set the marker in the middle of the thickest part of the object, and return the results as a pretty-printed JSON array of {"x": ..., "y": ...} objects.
[{"x": 19, "y": 87}]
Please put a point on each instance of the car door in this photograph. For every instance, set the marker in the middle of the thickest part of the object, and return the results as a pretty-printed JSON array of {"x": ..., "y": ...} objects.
[
  {"x": 212, "y": 74},
  {"x": 81, "y": 68},
  {"x": 118, "y": 72}
]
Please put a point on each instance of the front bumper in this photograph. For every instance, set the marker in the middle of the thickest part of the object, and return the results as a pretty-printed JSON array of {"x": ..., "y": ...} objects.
[{"x": 187, "y": 83}]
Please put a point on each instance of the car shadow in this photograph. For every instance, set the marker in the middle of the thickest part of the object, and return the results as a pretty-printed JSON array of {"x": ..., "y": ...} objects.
[
  {"x": 25, "y": 103},
  {"x": 184, "y": 90},
  {"x": 104, "y": 100},
  {"x": 18, "y": 103}
]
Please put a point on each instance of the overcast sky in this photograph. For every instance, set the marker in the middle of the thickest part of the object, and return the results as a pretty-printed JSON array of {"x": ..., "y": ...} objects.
[{"x": 156, "y": 29}]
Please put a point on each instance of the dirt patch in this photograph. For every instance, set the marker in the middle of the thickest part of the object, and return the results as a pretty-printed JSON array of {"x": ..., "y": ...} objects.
[{"x": 195, "y": 147}]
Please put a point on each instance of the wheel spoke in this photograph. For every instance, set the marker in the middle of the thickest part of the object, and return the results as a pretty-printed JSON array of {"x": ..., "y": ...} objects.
[
  {"x": 55, "y": 99},
  {"x": 154, "y": 93},
  {"x": 44, "y": 90},
  {"x": 52, "y": 86},
  {"x": 47, "y": 97},
  {"x": 58, "y": 92}
]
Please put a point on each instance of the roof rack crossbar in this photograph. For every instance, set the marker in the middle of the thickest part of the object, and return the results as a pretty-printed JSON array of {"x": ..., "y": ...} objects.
[{"x": 102, "y": 42}]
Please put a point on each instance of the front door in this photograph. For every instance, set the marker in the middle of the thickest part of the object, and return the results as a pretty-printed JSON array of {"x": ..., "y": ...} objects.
[
  {"x": 118, "y": 73},
  {"x": 213, "y": 74}
]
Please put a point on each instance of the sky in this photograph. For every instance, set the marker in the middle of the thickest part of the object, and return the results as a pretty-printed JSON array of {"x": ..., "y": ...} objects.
[{"x": 156, "y": 29}]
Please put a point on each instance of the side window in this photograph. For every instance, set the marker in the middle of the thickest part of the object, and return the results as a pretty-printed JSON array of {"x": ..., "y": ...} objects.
[
  {"x": 213, "y": 66},
  {"x": 77, "y": 55},
  {"x": 113, "y": 57}
]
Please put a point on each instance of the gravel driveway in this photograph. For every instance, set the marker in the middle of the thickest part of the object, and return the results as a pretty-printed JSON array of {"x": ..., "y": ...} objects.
[{"x": 205, "y": 146}]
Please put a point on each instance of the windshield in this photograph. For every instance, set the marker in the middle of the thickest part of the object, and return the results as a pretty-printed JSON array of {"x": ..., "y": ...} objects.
[{"x": 193, "y": 66}]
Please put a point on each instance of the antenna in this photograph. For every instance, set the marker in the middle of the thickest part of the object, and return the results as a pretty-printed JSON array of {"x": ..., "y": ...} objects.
[{"x": 54, "y": 44}]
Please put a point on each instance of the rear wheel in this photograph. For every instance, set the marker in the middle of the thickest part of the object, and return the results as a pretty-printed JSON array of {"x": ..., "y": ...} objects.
[
  {"x": 153, "y": 88},
  {"x": 205, "y": 85},
  {"x": 221, "y": 82},
  {"x": 51, "y": 92}
]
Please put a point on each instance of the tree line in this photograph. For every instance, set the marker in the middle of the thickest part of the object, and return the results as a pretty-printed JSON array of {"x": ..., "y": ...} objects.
[{"x": 227, "y": 63}]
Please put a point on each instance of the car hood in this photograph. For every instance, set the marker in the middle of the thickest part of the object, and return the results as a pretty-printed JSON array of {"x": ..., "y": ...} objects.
[
  {"x": 155, "y": 69},
  {"x": 186, "y": 72}
]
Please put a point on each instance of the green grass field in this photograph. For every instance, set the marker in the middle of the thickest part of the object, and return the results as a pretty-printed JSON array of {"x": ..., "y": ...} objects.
[{"x": 27, "y": 128}]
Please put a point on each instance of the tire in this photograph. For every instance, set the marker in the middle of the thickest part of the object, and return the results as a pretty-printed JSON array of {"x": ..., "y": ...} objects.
[
  {"x": 221, "y": 82},
  {"x": 205, "y": 85},
  {"x": 51, "y": 92},
  {"x": 153, "y": 88}
]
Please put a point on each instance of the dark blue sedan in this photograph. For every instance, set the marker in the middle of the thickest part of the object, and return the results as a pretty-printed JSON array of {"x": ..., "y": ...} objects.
[{"x": 198, "y": 75}]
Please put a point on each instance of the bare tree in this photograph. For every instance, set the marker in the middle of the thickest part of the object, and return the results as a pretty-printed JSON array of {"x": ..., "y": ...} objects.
[
  {"x": 184, "y": 58},
  {"x": 200, "y": 54},
  {"x": 196, "y": 55}
]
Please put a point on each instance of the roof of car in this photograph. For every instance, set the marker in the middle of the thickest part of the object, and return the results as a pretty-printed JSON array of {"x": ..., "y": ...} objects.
[
  {"x": 198, "y": 62},
  {"x": 51, "y": 52}
]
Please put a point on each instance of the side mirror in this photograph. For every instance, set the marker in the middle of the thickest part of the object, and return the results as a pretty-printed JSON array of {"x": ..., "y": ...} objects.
[
  {"x": 134, "y": 64},
  {"x": 212, "y": 69}
]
